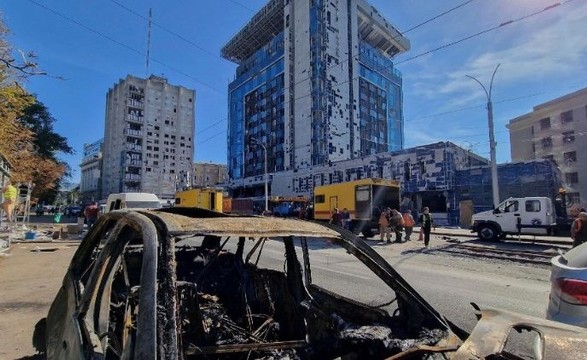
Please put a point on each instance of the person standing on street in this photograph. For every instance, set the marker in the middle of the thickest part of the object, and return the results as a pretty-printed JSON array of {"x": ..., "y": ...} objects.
[
  {"x": 9, "y": 192},
  {"x": 426, "y": 222},
  {"x": 396, "y": 224},
  {"x": 384, "y": 229},
  {"x": 336, "y": 218},
  {"x": 409, "y": 224},
  {"x": 91, "y": 213},
  {"x": 346, "y": 218}
]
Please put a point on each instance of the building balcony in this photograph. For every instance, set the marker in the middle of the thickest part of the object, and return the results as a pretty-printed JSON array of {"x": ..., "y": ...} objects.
[
  {"x": 136, "y": 133},
  {"x": 135, "y": 118},
  {"x": 132, "y": 177},
  {"x": 135, "y": 104},
  {"x": 128, "y": 189},
  {"x": 134, "y": 147},
  {"x": 135, "y": 163}
]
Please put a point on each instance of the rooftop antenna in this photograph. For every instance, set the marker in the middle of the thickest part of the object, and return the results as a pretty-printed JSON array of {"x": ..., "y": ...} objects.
[{"x": 148, "y": 43}]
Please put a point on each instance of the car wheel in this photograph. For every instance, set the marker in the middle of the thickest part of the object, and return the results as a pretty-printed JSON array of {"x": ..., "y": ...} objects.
[{"x": 488, "y": 233}]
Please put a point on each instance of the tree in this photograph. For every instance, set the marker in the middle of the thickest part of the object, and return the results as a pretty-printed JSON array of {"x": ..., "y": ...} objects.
[
  {"x": 12, "y": 67},
  {"x": 36, "y": 117}
]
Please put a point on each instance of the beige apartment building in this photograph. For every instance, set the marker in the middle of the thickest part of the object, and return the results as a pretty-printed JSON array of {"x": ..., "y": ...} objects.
[
  {"x": 556, "y": 130},
  {"x": 148, "y": 137},
  {"x": 208, "y": 174}
]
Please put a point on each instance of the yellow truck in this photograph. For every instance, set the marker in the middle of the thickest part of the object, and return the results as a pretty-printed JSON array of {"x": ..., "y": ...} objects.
[
  {"x": 205, "y": 198},
  {"x": 364, "y": 199}
]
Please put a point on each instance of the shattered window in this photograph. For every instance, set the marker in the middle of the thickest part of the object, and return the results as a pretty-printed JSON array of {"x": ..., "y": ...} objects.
[{"x": 335, "y": 271}]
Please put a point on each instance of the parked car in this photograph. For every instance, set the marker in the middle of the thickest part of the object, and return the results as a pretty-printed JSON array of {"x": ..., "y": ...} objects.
[
  {"x": 568, "y": 294},
  {"x": 284, "y": 209},
  {"x": 192, "y": 283}
]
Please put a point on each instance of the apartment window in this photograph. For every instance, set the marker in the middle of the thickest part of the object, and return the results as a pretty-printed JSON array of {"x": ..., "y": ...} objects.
[
  {"x": 568, "y": 137},
  {"x": 572, "y": 178},
  {"x": 547, "y": 142},
  {"x": 545, "y": 123},
  {"x": 570, "y": 157},
  {"x": 567, "y": 117}
]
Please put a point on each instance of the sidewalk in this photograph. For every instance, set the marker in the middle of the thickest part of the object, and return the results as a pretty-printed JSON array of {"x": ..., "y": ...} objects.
[{"x": 40, "y": 229}]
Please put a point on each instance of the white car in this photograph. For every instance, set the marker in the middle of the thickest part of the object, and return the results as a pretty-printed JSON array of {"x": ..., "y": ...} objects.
[{"x": 568, "y": 295}]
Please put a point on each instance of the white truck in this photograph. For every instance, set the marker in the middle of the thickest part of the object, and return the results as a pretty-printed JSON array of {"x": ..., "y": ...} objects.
[
  {"x": 525, "y": 216},
  {"x": 132, "y": 201}
]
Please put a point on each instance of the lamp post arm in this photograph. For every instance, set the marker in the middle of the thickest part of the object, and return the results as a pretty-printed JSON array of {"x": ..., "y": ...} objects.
[
  {"x": 479, "y": 82},
  {"x": 491, "y": 82}
]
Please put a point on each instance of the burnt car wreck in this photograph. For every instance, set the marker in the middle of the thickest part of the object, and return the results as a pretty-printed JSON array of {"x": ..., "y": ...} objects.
[{"x": 192, "y": 284}]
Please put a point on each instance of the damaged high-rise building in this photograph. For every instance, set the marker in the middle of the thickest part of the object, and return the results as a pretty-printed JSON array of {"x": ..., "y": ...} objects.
[
  {"x": 315, "y": 84},
  {"x": 148, "y": 137}
]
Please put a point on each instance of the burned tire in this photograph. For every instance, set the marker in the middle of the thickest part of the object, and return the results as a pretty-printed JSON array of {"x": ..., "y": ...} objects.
[{"x": 488, "y": 233}]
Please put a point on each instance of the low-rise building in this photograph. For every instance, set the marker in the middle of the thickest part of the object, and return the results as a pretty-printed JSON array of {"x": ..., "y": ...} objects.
[
  {"x": 555, "y": 130},
  {"x": 91, "y": 172},
  {"x": 442, "y": 176}
]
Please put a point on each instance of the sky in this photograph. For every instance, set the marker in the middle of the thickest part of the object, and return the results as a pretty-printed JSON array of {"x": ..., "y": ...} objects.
[{"x": 88, "y": 46}]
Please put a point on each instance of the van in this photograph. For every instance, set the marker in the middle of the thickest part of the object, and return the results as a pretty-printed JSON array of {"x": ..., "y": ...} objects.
[
  {"x": 132, "y": 201},
  {"x": 524, "y": 216}
]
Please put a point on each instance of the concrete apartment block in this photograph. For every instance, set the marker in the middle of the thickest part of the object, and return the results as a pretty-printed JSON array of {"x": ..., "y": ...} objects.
[
  {"x": 148, "y": 137},
  {"x": 556, "y": 131}
]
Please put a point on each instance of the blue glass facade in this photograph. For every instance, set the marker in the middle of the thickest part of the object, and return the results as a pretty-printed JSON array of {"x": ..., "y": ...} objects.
[
  {"x": 256, "y": 109},
  {"x": 380, "y": 102},
  {"x": 323, "y": 128},
  {"x": 318, "y": 83}
]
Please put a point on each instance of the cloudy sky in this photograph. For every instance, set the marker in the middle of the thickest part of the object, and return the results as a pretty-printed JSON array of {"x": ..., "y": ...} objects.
[{"x": 541, "y": 49}]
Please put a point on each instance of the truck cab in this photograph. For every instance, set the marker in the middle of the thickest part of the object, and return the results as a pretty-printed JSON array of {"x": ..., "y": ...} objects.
[{"x": 524, "y": 216}]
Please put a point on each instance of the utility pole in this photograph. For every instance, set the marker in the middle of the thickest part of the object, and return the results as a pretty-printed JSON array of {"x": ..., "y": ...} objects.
[
  {"x": 260, "y": 143},
  {"x": 492, "y": 144}
]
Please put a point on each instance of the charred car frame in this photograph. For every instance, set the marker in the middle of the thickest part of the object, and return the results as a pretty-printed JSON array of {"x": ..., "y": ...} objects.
[{"x": 185, "y": 283}]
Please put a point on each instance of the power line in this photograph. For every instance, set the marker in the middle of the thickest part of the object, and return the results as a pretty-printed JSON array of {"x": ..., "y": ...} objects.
[
  {"x": 484, "y": 31},
  {"x": 179, "y": 36},
  {"x": 124, "y": 45},
  {"x": 437, "y": 16},
  {"x": 307, "y": 78}
]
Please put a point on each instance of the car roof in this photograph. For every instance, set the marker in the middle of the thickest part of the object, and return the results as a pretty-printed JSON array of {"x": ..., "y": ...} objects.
[{"x": 205, "y": 222}]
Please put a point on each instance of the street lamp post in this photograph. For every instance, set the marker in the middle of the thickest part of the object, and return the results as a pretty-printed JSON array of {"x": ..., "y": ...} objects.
[
  {"x": 492, "y": 144},
  {"x": 260, "y": 143}
]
